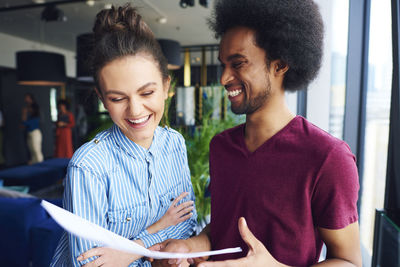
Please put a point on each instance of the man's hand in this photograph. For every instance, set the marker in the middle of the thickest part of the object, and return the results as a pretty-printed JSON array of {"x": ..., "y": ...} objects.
[
  {"x": 197, "y": 243},
  {"x": 258, "y": 255},
  {"x": 173, "y": 245}
]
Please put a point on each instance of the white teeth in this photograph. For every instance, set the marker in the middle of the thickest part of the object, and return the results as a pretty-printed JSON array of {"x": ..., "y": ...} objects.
[
  {"x": 234, "y": 93},
  {"x": 139, "y": 120}
]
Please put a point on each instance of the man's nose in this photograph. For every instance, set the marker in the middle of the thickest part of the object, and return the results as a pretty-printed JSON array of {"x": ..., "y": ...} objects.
[{"x": 227, "y": 76}]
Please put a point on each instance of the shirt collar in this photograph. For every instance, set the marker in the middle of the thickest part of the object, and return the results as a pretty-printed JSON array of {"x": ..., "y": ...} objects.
[
  {"x": 131, "y": 147},
  {"x": 155, "y": 148}
]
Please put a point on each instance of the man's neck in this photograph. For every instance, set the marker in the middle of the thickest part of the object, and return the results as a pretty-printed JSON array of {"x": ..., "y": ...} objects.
[{"x": 266, "y": 122}]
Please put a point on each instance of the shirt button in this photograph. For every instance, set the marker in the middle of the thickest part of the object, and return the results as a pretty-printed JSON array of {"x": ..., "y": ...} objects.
[
  {"x": 128, "y": 219},
  {"x": 96, "y": 141}
]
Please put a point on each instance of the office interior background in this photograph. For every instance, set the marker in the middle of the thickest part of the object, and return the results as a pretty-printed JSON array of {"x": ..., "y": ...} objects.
[{"x": 355, "y": 96}]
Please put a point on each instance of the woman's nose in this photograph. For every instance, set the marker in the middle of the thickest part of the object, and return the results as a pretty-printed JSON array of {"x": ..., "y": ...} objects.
[{"x": 135, "y": 107}]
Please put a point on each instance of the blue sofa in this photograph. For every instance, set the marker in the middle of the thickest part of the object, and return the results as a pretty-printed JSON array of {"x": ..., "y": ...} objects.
[
  {"x": 28, "y": 236},
  {"x": 36, "y": 176}
]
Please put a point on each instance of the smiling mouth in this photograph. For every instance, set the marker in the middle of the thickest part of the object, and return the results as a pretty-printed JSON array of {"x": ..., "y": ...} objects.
[
  {"x": 234, "y": 93},
  {"x": 140, "y": 121}
]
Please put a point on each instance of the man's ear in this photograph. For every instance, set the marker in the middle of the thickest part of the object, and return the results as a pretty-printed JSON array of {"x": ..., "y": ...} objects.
[{"x": 280, "y": 67}]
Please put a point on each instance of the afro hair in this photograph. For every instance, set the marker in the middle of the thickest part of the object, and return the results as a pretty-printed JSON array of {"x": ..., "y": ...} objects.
[{"x": 288, "y": 30}]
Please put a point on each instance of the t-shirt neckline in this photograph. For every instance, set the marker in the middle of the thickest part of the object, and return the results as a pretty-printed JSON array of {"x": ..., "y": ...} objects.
[{"x": 271, "y": 139}]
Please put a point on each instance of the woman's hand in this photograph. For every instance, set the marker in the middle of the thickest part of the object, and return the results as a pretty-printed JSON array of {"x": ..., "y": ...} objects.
[
  {"x": 174, "y": 215},
  {"x": 61, "y": 124},
  {"x": 108, "y": 257},
  {"x": 24, "y": 114}
]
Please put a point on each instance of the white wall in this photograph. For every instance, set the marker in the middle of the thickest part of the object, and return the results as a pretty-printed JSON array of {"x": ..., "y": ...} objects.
[
  {"x": 9, "y": 45},
  {"x": 291, "y": 101}
]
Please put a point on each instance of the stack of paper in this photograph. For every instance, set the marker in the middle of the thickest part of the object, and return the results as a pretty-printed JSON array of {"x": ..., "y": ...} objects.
[{"x": 90, "y": 231}]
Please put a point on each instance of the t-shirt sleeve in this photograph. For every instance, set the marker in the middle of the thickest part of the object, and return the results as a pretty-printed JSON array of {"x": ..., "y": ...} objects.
[{"x": 334, "y": 201}]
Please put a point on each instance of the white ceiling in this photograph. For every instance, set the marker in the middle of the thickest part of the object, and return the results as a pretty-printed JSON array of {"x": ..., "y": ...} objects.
[{"x": 186, "y": 25}]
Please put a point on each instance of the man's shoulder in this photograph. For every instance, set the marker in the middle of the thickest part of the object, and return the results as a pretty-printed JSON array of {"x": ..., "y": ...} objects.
[
  {"x": 314, "y": 133},
  {"x": 228, "y": 134},
  {"x": 316, "y": 139}
]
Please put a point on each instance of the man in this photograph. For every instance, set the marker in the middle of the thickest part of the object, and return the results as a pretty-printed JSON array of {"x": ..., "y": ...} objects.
[{"x": 295, "y": 185}]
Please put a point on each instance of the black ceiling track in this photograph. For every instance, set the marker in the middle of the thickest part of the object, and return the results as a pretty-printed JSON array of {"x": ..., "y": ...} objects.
[{"x": 13, "y": 8}]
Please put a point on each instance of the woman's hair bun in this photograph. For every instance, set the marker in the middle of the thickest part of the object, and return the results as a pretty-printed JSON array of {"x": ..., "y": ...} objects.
[
  {"x": 120, "y": 32},
  {"x": 122, "y": 19}
]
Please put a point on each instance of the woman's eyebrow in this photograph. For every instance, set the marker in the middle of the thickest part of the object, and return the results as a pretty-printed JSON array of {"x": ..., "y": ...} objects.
[{"x": 141, "y": 88}]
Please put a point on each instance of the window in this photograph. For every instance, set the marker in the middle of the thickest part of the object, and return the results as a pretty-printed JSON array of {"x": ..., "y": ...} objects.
[
  {"x": 53, "y": 104},
  {"x": 339, "y": 28},
  {"x": 377, "y": 118}
]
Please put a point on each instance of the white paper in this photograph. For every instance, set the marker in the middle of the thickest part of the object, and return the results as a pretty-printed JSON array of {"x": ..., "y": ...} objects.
[{"x": 103, "y": 237}]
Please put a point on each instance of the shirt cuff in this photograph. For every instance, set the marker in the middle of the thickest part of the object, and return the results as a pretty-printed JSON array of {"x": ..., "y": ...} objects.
[{"x": 152, "y": 239}]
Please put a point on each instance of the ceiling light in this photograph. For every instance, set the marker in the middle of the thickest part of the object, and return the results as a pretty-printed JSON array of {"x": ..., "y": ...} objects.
[
  {"x": 52, "y": 13},
  {"x": 107, "y": 6},
  {"x": 186, "y": 3},
  {"x": 40, "y": 68},
  {"x": 204, "y": 3},
  {"x": 90, "y": 2},
  {"x": 84, "y": 47},
  {"x": 162, "y": 20},
  {"x": 172, "y": 51},
  {"x": 39, "y": 1}
]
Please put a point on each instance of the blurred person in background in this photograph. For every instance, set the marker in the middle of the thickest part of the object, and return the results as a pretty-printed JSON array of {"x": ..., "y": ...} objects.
[
  {"x": 31, "y": 123},
  {"x": 65, "y": 123}
]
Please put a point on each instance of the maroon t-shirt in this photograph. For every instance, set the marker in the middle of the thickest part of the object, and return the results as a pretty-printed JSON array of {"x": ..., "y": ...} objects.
[{"x": 299, "y": 179}]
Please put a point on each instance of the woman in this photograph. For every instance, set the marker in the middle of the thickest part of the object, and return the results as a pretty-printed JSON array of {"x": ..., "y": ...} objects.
[
  {"x": 130, "y": 178},
  {"x": 31, "y": 121},
  {"x": 65, "y": 123}
]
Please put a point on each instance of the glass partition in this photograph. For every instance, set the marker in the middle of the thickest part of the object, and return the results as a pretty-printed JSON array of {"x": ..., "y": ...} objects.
[
  {"x": 339, "y": 27},
  {"x": 377, "y": 119},
  {"x": 387, "y": 242}
]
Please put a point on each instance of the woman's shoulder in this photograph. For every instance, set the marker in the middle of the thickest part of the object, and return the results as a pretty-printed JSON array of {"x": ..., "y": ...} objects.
[
  {"x": 170, "y": 139},
  {"x": 93, "y": 154},
  {"x": 169, "y": 134}
]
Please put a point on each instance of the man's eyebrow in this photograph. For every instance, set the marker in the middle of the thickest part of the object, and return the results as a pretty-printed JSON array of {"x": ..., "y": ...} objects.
[
  {"x": 232, "y": 57},
  {"x": 141, "y": 88}
]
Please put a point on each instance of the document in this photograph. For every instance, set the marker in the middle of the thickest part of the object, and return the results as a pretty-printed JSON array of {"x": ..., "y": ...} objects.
[{"x": 103, "y": 237}]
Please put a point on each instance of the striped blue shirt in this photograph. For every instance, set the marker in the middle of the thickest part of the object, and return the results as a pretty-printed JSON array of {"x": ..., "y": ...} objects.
[{"x": 123, "y": 187}]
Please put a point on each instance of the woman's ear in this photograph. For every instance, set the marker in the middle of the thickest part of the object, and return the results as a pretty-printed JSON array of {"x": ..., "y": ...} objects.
[
  {"x": 100, "y": 96},
  {"x": 167, "y": 85}
]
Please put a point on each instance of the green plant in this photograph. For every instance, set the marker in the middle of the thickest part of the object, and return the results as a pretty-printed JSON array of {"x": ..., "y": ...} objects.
[
  {"x": 102, "y": 122},
  {"x": 197, "y": 144},
  {"x": 165, "y": 120}
]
